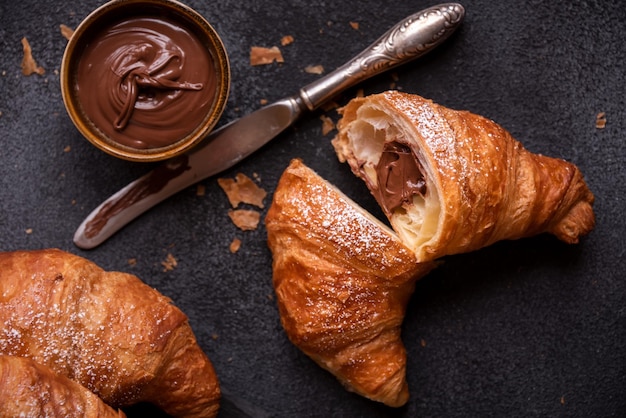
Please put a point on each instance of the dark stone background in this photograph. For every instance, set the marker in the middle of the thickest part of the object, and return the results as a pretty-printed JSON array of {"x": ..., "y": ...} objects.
[{"x": 527, "y": 328}]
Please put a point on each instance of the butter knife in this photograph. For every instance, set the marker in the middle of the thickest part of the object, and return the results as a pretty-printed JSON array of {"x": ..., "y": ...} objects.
[{"x": 410, "y": 38}]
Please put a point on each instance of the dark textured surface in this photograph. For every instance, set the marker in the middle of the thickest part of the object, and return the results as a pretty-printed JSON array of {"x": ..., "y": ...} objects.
[{"x": 527, "y": 328}]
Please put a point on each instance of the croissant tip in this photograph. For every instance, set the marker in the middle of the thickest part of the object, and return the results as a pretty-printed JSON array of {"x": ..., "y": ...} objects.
[{"x": 578, "y": 222}]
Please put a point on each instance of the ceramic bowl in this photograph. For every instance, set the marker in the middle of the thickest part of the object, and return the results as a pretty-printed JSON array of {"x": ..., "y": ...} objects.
[{"x": 135, "y": 98}]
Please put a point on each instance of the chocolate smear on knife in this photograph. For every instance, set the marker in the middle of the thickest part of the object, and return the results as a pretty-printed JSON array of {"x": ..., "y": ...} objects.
[{"x": 146, "y": 186}]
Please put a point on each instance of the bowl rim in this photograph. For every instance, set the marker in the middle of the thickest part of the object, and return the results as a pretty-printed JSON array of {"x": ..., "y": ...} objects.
[{"x": 89, "y": 130}]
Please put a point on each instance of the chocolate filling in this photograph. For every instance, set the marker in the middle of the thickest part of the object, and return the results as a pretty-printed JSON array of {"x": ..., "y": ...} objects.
[{"x": 399, "y": 177}]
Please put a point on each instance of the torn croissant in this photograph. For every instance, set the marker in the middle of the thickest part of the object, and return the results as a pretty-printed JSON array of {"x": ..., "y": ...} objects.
[
  {"x": 342, "y": 281},
  {"x": 107, "y": 331},
  {"x": 29, "y": 389},
  {"x": 452, "y": 181}
]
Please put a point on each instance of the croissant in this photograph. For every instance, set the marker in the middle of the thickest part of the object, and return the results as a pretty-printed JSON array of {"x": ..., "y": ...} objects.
[
  {"x": 452, "y": 181},
  {"x": 342, "y": 281},
  {"x": 29, "y": 389},
  {"x": 107, "y": 331}
]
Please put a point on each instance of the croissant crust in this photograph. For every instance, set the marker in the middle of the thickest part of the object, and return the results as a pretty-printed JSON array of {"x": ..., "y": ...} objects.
[
  {"x": 481, "y": 185},
  {"x": 342, "y": 281},
  {"x": 29, "y": 389},
  {"x": 107, "y": 331}
]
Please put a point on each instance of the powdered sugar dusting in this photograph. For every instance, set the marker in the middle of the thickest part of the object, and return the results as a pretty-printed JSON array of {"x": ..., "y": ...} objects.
[
  {"x": 48, "y": 325},
  {"x": 67, "y": 321},
  {"x": 434, "y": 130},
  {"x": 345, "y": 224}
]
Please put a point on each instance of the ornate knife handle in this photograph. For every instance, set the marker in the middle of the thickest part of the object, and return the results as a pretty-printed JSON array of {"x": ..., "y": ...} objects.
[{"x": 411, "y": 38}]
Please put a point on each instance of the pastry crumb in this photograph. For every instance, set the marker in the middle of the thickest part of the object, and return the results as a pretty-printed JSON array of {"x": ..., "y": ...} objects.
[
  {"x": 29, "y": 65},
  {"x": 66, "y": 31},
  {"x": 328, "y": 125},
  {"x": 601, "y": 120},
  {"x": 314, "y": 69},
  {"x": 242, "y": 190},
  {"x": 262, "y": 56},
  {"x": 200, "y": 190},
  {"x": 235, "y": 245},
  {"x": 132, "y": 261},
  {"x": 286, "y": 40},
  {"x": 28, "y": 231},
  {"x": 245, "y": 219},
  {"x": 263, "y": 102},
  {"x": 169, "y": 263},
  {"x": 562, "y": 400},
  {"x": 354, "y": 25},
  {"x": 423, "y": 342}
]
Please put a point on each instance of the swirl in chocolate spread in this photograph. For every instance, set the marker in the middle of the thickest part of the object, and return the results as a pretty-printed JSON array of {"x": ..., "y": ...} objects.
[
  {"x": 146, "y": 82},
  {"x": 399, "y": 176}
]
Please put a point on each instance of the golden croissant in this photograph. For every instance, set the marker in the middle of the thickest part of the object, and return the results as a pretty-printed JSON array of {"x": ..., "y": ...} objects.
[
  {"x": 107, "y": 331},
  {"x": 452, "y": 181},
  {"x": 342, "y": 281},
  {"x": 29, "y": 389}
]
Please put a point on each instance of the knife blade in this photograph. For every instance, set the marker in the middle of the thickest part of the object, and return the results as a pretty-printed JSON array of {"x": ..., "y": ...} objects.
[{"x": 410, "y": 38}]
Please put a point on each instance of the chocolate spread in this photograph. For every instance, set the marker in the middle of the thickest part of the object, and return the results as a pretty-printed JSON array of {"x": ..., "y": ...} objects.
[
  {"x": 146, "y": 82},
  {"x": 150, "y": 184},
  {"x": 399, "y": 177}
]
